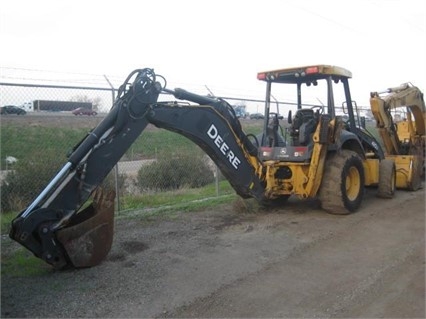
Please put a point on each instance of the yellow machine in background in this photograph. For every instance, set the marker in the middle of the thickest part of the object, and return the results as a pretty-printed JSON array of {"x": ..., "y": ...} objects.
[{"x": 404, "y": 135}]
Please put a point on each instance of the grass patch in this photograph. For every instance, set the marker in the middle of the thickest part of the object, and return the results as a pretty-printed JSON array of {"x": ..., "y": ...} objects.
[
  {"x": 26, "y": 141},
  {"x": 18, "y": 262},
  {"x": 174, "y": 198},
  {"x": 22, "y": 263},
  {"x": 196, "y": 205},
  {"x": 6, "y": 220},
  {"x": 156, "y": 144}
]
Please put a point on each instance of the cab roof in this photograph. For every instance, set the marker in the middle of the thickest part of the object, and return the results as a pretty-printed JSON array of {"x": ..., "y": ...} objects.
[{"x": 304, "y": 74}]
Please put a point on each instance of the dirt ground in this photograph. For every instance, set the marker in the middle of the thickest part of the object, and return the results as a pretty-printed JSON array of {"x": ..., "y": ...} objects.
[{"x": 292, "y": 262}]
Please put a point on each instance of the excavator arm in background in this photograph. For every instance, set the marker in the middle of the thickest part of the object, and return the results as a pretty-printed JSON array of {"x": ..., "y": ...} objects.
[
  {"x": 404, "y": 140},
  {"x": 57, "y": 230},
  {"x": 382, "y": 104}
]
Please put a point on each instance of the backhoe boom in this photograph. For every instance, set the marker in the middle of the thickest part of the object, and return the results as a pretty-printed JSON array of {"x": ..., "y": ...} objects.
[{"x": 54, "y": 228}]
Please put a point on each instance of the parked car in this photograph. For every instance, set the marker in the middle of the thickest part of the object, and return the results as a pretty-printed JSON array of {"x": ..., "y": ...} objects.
[
  {"x": 12, "y": 109},
  {"x": 257, "y": 116},
  {"x": 83, "y": 111}
]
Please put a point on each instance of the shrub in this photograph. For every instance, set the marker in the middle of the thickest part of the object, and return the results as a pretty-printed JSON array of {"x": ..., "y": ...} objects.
[
  {"x": 27, "y": 180},
  {"x": 109, "y": 183},
  {"x": 29, "y": 177},
  {"x": 179, "y": 171}
]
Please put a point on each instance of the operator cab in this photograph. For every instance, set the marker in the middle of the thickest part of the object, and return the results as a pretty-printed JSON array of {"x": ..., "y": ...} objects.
[{"x": 310, "y": 92}]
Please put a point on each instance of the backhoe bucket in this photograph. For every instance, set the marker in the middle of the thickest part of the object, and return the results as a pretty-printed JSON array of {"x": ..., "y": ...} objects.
[{"x": 89, "y": 238}]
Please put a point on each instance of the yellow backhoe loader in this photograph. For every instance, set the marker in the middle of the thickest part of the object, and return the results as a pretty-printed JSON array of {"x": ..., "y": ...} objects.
[{"x": 317, "y": 156}]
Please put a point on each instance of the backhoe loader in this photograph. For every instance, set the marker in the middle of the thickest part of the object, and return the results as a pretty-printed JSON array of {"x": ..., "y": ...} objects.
[
  {"x": 317, "y": 156},
  {"x": 403, "y": 139}
]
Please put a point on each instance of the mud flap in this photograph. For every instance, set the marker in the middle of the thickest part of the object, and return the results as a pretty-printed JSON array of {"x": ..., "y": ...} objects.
[{"x": 88, "y": 239}]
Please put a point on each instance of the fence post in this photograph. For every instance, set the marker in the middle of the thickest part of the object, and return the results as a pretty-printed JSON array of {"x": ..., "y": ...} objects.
[
  {"x": 116, "y": 171},
  {"x": 217, "y": 180}
]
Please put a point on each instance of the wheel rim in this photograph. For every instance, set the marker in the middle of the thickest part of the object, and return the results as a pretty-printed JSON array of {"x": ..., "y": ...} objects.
[{"x": 353, "y": 180}]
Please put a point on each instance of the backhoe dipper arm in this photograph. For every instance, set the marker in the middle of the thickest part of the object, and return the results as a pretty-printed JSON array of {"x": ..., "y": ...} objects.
[
  {"x": 57, "y": 230},
  {"x": 38, "y": 227},
  {"x": 382, "y": 103}
]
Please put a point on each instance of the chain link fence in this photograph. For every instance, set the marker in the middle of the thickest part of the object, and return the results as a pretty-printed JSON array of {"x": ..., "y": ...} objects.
[{"x": 34, "y": 147}]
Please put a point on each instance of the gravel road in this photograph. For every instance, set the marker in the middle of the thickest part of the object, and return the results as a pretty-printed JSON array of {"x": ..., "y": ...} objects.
[
  {"x": 293, "y": 262},
  {"x": 296, "y": 261}
]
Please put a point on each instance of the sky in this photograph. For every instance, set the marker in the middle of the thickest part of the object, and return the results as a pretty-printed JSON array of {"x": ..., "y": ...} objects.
[{"x": 220, "y": 45}]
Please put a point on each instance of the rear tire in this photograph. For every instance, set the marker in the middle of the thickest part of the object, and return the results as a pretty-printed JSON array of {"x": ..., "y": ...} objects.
[
  {"x": 416, "y": 175},
  {"x": 387, "y": 179},
  {"x": 342, "y": 187}
]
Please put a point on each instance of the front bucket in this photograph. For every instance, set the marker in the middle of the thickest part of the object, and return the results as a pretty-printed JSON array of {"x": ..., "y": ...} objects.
[{"x": 89, "y": 238}]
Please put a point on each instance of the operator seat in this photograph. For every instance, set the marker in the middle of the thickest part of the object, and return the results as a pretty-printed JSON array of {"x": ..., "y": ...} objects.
[
  {"x": 303, "y": 126},
  {"x": 273, "y": 138}
]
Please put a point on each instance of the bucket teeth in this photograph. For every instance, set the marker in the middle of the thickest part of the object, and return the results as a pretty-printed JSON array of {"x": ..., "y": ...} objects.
[{"x": 88, "y": 239}]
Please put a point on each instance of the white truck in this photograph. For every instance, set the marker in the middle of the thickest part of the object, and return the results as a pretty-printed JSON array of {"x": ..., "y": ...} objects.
[{"x": 54, "y": 106}]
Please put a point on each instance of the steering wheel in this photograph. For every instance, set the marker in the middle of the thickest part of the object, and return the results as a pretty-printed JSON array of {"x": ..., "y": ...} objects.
[{"x": 317, "y": 108}]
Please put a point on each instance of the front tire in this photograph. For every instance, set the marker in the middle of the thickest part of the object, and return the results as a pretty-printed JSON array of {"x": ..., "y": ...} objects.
[{"x": 342, "y": 187}]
